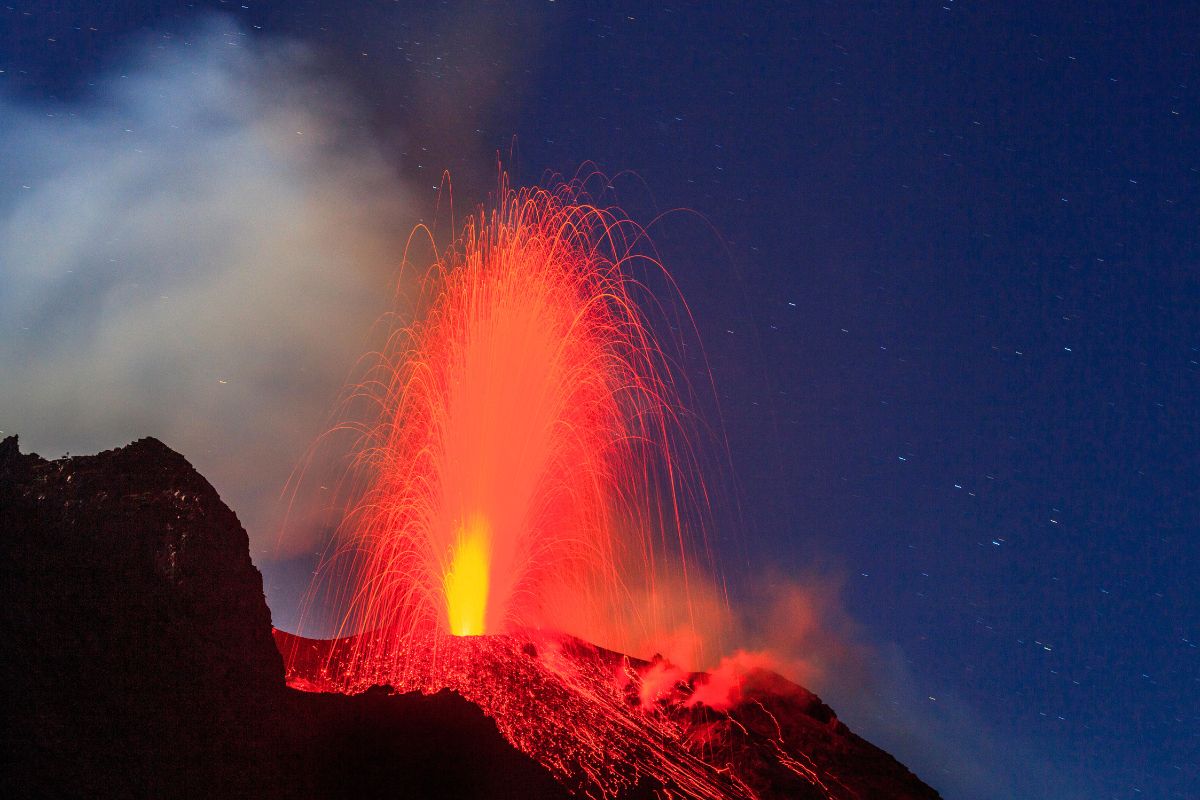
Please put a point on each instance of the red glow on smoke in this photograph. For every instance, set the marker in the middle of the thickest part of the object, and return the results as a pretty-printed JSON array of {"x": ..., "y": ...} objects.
[
  {"x": 523, "y": 471},
  {"x": 525, "y": 476}
]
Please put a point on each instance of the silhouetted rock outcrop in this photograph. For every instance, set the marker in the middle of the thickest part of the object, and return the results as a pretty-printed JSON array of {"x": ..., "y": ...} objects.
[{"x": 138, "y": 659}]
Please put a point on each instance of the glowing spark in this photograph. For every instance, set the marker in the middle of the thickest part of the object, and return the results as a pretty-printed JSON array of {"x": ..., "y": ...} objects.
[
  {"x": 525, "y": 467},
  {"x": 525, "y": 474}
]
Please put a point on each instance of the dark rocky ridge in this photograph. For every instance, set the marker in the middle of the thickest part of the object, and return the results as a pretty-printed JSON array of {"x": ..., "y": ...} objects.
[{"x": 139, "y": 661}]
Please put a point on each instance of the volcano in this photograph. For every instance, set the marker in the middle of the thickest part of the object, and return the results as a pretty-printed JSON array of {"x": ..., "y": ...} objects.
[
  {"x": 582, "y": 712},
  {"x": 140, "y": 660}
]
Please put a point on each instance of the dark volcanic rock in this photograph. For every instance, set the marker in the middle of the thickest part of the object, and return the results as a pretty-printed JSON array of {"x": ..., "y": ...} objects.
[
  {"x": 138, "y": 659},
  {"x": 379, "y": 744}
]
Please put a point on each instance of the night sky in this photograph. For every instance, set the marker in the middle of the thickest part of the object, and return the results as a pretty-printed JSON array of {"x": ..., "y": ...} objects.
[{"x": 942, "y": 257}]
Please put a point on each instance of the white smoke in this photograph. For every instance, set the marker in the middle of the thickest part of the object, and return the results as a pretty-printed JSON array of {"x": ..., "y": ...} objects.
[{"x": 195, "y": 252}]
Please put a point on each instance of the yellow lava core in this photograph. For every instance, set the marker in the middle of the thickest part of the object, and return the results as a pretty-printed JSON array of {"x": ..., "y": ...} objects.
[{"x": 466, "y": 581}]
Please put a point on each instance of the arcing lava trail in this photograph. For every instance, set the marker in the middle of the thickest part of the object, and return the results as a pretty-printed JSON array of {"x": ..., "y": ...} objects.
[
  {"x": 525, "y": 473},
  {"x": 585, "y": 715},
  {"x": 523, "y": 467},
  {"x": 525, "y": 479},
  {"x": 139, "y": 662},
  {"x": 571, "y": 706}
]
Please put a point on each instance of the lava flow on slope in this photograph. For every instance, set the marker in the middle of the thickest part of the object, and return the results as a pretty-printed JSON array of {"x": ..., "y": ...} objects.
[
  {"x": 573, "y": 707},
  {"x": 608, "y": 726},
  {"x": 524, "y": 473}
]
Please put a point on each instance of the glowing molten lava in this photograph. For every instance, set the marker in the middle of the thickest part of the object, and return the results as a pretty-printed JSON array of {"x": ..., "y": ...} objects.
[
  {"x": 522, "y": 470},
  {"x": 467, "y": 579},
  {"x": 523, "y": 475},
  {"x": 521, "y": 509}
]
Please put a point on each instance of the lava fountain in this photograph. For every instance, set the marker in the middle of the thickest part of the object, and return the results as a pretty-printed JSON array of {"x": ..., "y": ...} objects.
[
  {"x": 525, "y": 479},
  {"x": 524, "y": 469}
]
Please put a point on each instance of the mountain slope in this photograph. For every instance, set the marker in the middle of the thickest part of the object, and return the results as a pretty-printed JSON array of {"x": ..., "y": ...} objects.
[{"x": 139, "y": 660}]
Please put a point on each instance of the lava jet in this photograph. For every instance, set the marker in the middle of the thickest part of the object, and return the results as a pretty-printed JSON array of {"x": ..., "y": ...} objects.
[
  {"x": 524, "y": 482},
  {"x": 523, "y": 520}
]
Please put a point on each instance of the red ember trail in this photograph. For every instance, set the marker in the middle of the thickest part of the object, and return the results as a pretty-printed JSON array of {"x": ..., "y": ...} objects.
[
  {"x": 526, "y": 469},
  {"x": 527, "y": 475}
]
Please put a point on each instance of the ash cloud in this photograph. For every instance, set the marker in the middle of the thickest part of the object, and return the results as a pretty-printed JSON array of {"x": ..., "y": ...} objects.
[{"x": 196, "y": 251}]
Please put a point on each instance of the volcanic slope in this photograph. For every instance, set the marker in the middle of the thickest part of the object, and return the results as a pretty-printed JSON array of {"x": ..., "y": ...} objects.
[
  {"x": 604, "y": 725},
  {"x": 139, "y": 661}
]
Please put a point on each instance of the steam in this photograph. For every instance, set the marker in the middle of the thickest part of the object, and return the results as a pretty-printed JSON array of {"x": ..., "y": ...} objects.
[{"x": 195, "y": 252}]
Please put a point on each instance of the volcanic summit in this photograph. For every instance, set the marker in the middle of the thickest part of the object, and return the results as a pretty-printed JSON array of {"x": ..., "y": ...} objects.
[{"x": 140, "y": 661}]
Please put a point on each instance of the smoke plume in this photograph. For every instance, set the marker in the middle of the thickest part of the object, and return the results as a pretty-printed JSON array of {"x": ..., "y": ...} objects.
[{"x": 194, "y": 251}]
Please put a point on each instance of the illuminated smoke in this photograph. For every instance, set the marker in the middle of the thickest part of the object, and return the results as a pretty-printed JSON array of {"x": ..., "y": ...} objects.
[
  {"x": 524, "y": 477},
  {"x": 192, "y": 251}
]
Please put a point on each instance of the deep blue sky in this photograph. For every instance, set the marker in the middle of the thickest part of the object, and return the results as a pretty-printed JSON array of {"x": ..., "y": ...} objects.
[{"x": 947, "y": 283}]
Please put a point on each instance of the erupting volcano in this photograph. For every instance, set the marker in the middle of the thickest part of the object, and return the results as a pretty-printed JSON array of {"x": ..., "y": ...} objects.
[
  {"x": 525, "y": 502},
  {"x": 525, "y": 477},
  {"x": 523, "y": 469},
  {"x": 523, "y": 524}
]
